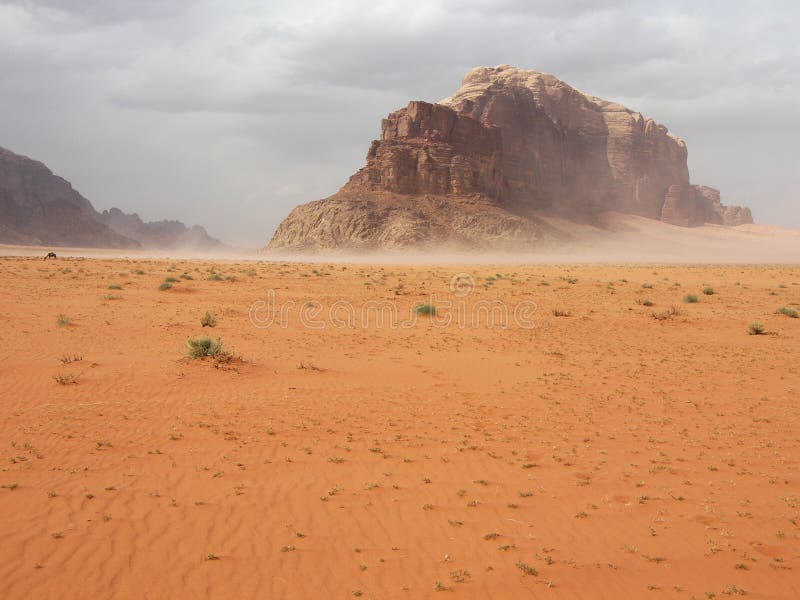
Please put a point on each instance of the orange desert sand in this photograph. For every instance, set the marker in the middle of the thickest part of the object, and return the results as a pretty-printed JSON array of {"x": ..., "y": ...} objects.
[{"x": 602, "y": 454}]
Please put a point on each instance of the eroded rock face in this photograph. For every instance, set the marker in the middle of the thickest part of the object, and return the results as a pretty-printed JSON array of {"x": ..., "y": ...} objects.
[
  {"x": 521, "y": 142},
  {"x": 40, "y": 208},
  {"x": 388, "y": 221},
  {"x": 694, "y": 205},
  {"x": 569, "y": 153},
  {"x": 431, "y": 149},
  {"x": 718, "y": 213}
]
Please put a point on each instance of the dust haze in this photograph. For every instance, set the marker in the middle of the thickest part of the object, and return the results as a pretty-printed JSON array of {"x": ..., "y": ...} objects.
[{"x": 619, "y": 239}]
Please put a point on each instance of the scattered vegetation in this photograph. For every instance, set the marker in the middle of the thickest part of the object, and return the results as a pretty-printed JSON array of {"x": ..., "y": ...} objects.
[
  {"x": 733, "y": 590},
  {"x": 65, "y": 379},
  {"x": 560, "y": 313},
  {"x": 204, "y": 346},
  {"x": 63, "y": 320},
  {"x": 666, "y": 314},
  {"x": 708, "y": 291},
  {"x": 460, "y": 575},
  {"x": 215, "y": 277},
  {"x": 789, "y": 312},
  {"x": 165, "y": 286},
  {"x": 527, "y": 569},
  {"x": 756, "y": 328},
  {"x": 690, "y": 299},
  {"x": 115, "y": 286},
  {"x": 208, "y": 320},
  {"x": 647, "y": 302},
  {"x": 426, "y": 309}
]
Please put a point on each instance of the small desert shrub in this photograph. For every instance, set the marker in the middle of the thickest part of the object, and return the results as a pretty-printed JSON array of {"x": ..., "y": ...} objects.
[
  {"x": 570, "y": 280},
  {"x": 647, "y": 302},
  {"x": 170, "y": 280},
  {"x": 165, "y": 286},
  {"x": 690, "y": 298},
  {"x": 65, "y": 379},
  {"x": 208, "y": 319},
  {"x": 560, "y": 313},
  {"x": 187, "y": 277},
  {"x": 426, "y": 309},
  {"x": 204, "y": 346},
  {"x": 527, "y": 569},
  {"x": 460, "y": 576},
  {"x": 667, "y": 314},
  {"x": 112, "y": 297},
  {"x": 215, "y": 277},
  {"x": 138, "y": 272},
  {"x": 115, "y": 286},
  {"x": 756, "y": 328},
  {"x": 647, "y": 286},
  {"x": 789, "y": 312},
  {"x": 708, "y": 291},
  {"x": 63, "y": 321}
]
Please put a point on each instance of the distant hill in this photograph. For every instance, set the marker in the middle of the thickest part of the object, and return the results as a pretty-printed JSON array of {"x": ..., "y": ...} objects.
[{"x": 43, "y": 209}]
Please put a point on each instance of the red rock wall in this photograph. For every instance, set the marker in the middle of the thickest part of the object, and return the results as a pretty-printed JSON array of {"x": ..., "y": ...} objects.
[{"x": 430, "y": 149}]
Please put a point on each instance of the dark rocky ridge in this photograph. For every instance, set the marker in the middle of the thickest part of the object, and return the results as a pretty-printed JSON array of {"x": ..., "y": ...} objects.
[{"x": 40, "y": 208}]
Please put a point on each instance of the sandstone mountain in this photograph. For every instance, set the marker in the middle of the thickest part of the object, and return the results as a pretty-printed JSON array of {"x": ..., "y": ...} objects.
[
  {"x": 486, "y": 167},
  {"x": 40, "y": 208}
]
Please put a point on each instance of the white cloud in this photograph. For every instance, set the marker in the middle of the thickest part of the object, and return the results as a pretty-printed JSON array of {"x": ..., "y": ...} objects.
[{"x": 206, "y": 110}]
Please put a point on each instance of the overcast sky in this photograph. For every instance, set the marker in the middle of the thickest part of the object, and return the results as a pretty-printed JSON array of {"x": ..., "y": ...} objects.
[{"x": 230, "y": 113}]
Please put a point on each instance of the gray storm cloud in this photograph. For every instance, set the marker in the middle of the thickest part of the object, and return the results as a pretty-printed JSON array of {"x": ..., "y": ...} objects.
[{"x": 228, "y": 114}]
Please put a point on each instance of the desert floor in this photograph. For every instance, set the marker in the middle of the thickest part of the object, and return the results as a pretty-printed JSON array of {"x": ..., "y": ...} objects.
[{"x": 602, "y": 454}]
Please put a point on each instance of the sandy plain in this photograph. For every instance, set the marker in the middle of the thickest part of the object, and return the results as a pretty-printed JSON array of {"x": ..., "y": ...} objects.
[{"x": 604, "y": 453}]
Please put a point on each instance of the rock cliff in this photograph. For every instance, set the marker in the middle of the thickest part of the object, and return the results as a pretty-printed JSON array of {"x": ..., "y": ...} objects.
[
  {"x": 520, "y": 145},
  {"x": 40, "y": 208}
]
